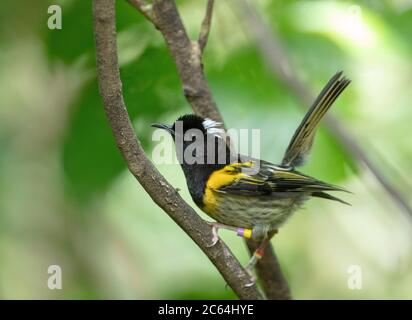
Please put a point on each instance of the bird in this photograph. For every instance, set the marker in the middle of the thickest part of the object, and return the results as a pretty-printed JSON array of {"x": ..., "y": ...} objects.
[{"x": 252, "y": 197}]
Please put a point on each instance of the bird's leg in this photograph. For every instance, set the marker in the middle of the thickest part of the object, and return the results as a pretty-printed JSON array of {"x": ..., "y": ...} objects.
[
  {"x": 241, "y": 232},
  {"x": 257, "y": 255}
]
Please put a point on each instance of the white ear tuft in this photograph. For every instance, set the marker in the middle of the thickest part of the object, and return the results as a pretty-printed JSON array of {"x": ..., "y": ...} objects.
[{"x": 213, "y": 127}]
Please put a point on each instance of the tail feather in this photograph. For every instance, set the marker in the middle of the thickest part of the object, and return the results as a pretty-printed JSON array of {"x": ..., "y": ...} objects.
[
  {"x": 302, "y": 141},
  {"x": 324, "y": 195}
]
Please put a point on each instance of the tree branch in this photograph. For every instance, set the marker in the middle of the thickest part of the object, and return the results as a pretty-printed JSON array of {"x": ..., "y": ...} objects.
[
  {"x": 206, "y": 25},
  {"x": 144, "y": 8},
  {"x": 275, "y": 58},
  {"x": 162, "y": 193},
  {"x": 187, "y": 56}
]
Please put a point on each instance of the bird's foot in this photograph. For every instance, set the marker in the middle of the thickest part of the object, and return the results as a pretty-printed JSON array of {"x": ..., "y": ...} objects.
[
  {"x": 241, "y": 232},
  {"x": 215, "y": 231},
  {"x": 257, "y": 255},
  {"x": 215, "y": 238},
  {"x": 249, "y": 270},
  {"x": 252, "y": 281}
]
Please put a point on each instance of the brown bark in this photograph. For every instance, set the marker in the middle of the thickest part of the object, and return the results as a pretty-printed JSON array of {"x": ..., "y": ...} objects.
[{"x": 162, "y": 193}]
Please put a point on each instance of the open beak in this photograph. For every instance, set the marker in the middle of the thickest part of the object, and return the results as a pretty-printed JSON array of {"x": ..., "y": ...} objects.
[{"x": 164, "y": 127}]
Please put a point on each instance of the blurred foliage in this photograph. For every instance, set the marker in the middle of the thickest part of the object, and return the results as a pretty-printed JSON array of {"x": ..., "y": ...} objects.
[
  {"x": 67, "y": 199},
  {"x": 151, "y": 83}
]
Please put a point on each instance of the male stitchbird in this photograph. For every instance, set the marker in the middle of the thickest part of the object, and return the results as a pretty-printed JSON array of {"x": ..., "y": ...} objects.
[{"x": 250, "y": 196}]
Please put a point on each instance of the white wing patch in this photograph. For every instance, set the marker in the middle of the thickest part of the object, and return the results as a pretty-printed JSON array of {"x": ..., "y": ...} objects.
[{"x": 213, "y": 127}]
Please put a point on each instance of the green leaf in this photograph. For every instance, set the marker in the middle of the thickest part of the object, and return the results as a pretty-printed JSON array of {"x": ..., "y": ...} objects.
[
  {"x": 91, "y": 160},
  {"x": 90, "y": 157},
  {"x": 76, "y": 39}
]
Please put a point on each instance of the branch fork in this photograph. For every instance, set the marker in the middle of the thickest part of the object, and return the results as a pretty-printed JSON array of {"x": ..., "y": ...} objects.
[{"x": 188, "y": 57}]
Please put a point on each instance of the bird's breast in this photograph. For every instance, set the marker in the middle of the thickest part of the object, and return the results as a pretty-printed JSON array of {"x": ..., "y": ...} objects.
[{"x": 249, "y": 211}]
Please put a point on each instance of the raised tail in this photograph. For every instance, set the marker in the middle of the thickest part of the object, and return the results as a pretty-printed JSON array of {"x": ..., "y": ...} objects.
[{"x": 302, "y": 141}]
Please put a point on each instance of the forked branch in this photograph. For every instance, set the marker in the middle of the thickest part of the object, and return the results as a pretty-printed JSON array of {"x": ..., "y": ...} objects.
[
  {"x": 162, "y": 193},
  {"x": 187, "y": 55},
  {"x": 206, "y": 25}
]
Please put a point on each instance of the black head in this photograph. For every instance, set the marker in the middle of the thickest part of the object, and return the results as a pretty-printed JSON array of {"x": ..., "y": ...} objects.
[
  {"x": 191, "y": 121},
  {"x": 202, "y": 135},
  {"x": 200, "y": 148}
]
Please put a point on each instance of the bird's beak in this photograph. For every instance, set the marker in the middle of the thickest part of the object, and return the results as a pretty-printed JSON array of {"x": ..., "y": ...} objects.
[{"x": 166, "y": 127}]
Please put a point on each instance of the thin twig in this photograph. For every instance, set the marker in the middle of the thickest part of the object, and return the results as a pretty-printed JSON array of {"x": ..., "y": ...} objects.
[
  {"x": 206, "y": 25},
  {"x": 144, "y": 8},
  {"x": 162, "y": 193},
  {"x": 272, "y": 53},
  {"x": 187, "y": 56}
]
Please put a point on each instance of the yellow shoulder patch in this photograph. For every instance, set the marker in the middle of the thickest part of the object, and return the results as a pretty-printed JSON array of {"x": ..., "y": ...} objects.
[
  {"x": 218, "y": 179},
  {"x": 224, "y": 177}
]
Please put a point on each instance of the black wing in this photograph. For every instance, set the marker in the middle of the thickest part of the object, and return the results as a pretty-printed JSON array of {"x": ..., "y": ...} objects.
[{"x": 269, "y": 179}]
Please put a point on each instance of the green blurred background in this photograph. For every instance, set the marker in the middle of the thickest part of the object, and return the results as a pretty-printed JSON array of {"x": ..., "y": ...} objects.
[{"x": 67, "y": 199}]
